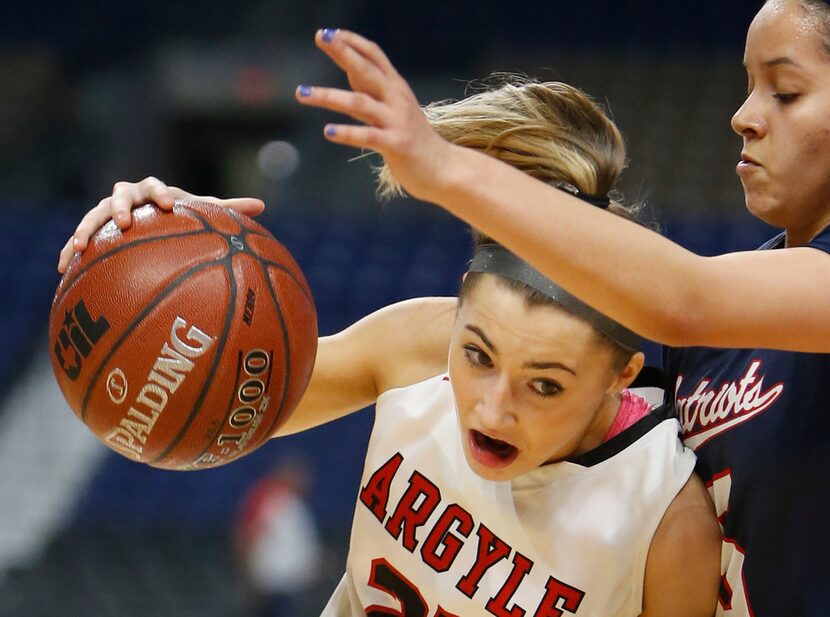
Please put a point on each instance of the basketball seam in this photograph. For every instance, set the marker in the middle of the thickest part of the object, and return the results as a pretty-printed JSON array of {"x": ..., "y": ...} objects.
[
  {"x": 118, "y": 249},
  {"x": 287, "y": 343},
  {"x": 228, "y": 414},
  {"x": 138, "y": 319},
  {"x": 278, "y": 266},
  {"x": 217, "y": 358},
  {"x": 261, "y": 234},
  {"x": 266, "y": 235},
  {"x": 178, "y": 209}
]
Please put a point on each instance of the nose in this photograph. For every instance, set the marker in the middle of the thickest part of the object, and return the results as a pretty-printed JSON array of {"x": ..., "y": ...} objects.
[
  {"x": 496, "y": 406},
  {"x": 749, "y": 121}
]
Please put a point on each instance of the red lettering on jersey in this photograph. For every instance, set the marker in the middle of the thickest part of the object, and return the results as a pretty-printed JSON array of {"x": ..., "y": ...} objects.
[
  {"x": 442, "y": 545},
  {"x": 408, "y": 517},
  {"x": 441, "y": 536},
  {"x": 375, "y": 495},
  {"x": 498, "y": 604},
  {"x": 491, "y": 550},
  {"x": 570, "y": 597}
]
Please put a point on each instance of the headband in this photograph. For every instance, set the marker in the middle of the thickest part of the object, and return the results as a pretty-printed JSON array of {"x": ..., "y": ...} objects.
[
  {"x": 600, "y": 201},
  {"x": 495, "y": 259}
]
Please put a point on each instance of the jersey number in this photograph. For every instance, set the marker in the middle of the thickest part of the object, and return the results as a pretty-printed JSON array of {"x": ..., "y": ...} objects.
[
  {"x": 386, "y": 578},
  {"x": 733, "y": 600}
]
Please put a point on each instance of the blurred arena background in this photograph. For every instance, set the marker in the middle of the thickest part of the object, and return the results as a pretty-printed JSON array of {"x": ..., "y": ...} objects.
[{"x": 201, "y": 95}]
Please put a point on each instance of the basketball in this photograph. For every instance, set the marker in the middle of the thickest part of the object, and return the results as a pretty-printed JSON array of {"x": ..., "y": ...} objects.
[{"x": 186, "y": 340}]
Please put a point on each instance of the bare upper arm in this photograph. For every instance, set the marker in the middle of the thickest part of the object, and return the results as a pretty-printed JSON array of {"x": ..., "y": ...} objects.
[
  {"x": 395, "y": 346},
  {"x": 683, "y": 567}
]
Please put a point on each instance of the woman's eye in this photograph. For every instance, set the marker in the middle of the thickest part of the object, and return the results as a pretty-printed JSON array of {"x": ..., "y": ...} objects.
[
  {"x": 476, "y": 357},
  {"x": 545, "y": 387},
  {"x": 785, "y": 97}
]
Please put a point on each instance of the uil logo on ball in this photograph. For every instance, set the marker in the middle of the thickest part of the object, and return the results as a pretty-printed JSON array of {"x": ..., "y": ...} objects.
[
  {"x": 117, "y": 386},
  {"x": 78, "y": 335}
]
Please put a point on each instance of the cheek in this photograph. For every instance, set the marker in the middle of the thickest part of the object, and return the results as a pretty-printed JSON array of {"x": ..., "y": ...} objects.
[
  {"x": 594, "y": 385},
  {"x": 555, "y": 435},
  {"x": 576, "y": 413},
  {"x": 462, "y": 383},
  {"x": 806, "y": 177},
  {"x": 453, "y": 366},
  {"x": 565, "y": 420},
  {"x": 819, "y": 156},
  {"x": 806, "y": 146},
  {"x": 814, "y": 146}
]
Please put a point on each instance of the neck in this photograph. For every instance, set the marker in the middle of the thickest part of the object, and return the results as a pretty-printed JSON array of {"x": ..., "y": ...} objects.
[
  {"x": 598, "y": 429},
  {"x": 804, "y": 235}
]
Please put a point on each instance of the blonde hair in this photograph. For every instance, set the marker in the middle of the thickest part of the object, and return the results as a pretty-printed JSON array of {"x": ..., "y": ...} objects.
[
  {"x": 550, "y": 130},
  {"x": 553, "y": 132}
]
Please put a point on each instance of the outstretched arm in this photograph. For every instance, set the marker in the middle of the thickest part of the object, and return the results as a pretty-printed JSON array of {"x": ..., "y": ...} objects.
[
  {"x": 653, "y": 286},
  {"x": 396, "y": 346}
]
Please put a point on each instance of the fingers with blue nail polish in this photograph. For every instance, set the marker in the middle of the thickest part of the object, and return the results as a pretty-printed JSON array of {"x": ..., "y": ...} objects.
[
  {"x": 328, "y": 34},
  {"x": 304, "y": 90}
]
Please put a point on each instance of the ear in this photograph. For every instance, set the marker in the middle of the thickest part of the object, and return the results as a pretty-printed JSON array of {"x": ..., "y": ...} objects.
[{"x": 628, "y": 373}]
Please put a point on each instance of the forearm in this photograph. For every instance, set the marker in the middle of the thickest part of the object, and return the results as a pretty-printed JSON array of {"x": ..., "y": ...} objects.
[
  {"x": 615, "y": 265},
  {"x": 339, "y": 385}
]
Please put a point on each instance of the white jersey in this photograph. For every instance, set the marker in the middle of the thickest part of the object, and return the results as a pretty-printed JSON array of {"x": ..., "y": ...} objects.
[{"x": 432, "y": 538}]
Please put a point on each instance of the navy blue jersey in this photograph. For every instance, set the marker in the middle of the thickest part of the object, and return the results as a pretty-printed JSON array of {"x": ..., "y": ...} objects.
[{"x": 758, "y": 422}]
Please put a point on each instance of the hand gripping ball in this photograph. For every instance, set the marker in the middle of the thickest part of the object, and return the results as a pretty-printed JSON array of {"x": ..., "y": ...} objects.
[{"x": 186, "y": 340}]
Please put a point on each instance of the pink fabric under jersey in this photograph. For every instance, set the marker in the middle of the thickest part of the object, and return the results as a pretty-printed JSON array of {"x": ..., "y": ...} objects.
[{"x": 632, "y": 408}]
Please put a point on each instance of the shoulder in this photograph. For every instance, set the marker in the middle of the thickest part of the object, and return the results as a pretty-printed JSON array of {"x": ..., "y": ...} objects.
[
  {"x": 409, "y": 340},
  {"x": 683, "y": 567}
]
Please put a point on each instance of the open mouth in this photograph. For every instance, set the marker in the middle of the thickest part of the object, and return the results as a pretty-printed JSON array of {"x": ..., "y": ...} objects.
[{"x": 491, "y": 452}]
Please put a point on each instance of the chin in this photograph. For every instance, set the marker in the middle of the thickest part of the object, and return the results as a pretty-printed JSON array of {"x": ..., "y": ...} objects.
[
  {"x": 494, "y": 474},
  {"x": 764, "y": 208}
]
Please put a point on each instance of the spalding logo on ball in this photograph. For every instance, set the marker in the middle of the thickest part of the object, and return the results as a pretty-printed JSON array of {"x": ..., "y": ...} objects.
[{"x": 185, "y": 341}]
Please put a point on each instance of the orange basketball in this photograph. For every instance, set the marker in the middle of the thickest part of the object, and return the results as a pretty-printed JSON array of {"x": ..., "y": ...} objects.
[{"x": 186, "y": 340}]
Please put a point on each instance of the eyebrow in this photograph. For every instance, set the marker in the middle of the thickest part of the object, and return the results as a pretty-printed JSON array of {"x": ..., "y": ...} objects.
[
  {"x": 482, "y": 336},
  {"x": 780, "y": 61},
  {"x": 533, "y": 364},
  {"x": 547, "y": 365}
]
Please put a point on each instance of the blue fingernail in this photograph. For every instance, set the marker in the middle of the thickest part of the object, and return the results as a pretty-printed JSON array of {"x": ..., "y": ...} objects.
[
  {"x": 328, "y": 34},
  {"x": 331, "y": 130},
  {"x": 305, "y": 90}
]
